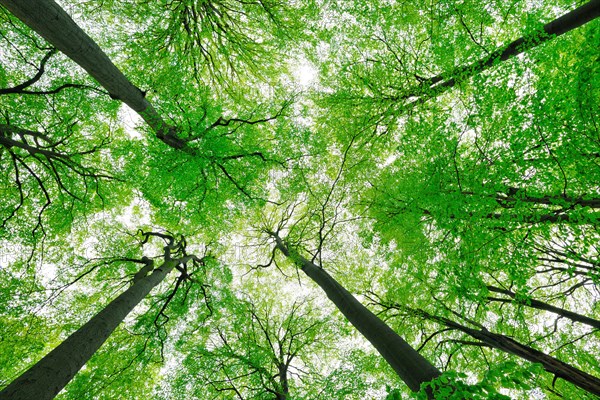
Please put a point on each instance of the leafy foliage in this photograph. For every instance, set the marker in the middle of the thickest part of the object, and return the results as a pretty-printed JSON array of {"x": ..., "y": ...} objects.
[{"x": 452, "y": 190}]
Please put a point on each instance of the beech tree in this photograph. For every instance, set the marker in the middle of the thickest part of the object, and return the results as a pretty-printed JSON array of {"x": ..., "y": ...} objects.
[
  {"x": 259, "y": 354},
  {"x": 49, "y": 375},
  {"x": 431, "y": 167},
  {"x": 412, "y": 368},
  {"x": 507, "y": 344}
]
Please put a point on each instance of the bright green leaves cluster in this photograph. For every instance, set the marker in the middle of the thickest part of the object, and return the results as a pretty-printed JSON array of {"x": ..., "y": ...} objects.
[
  {"x": 505, "y": 376},
  {"x": 479, "y": 182},
  {"x": 424, "y": 196},
  {"x": 504, "y": 158},
  {"x": 247, "y": 344},
  {"x": 210, "y": 40},
  {"x": 488, "y": 186}
]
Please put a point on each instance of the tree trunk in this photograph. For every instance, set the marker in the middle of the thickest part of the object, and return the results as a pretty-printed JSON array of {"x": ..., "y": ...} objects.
[
  {"x": 48, "y": 376},
  {"x": 410, "y": 366},
  {"x": 52, "y": 23},
  {"x": 540, "y": 305},
  {"x": 560, "y": 369},
  {"x": 284, "y": 389},
  {"x": 435, "y": 85}
]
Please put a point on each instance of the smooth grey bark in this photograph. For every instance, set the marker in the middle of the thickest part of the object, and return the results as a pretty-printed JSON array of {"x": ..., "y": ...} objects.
[
  {"x": 52, "y": 23},
  {"x": 540, "y": 305},
  {"x": 48, "y": 376},
  {"x": 410, "y": 366},
  {"x": 505, "y": 343}
]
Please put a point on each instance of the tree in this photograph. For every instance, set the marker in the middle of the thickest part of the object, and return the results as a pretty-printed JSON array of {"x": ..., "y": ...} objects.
[
  {"x": 40, "y": 157},
  {"x": 435, "y": 160},
  {"x": 54, "y": 24},
  {"x": 410, "y": 366},
  {"x": 509, "y": 345},
  {"x": 429, "y": 87},
  {"x": 61, "y": 31},
  {"x": 49, "y": 375},
  {"x": 257, "y": 354}
]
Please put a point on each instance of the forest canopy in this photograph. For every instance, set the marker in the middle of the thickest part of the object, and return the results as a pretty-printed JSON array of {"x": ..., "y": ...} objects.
[{"x": 231, "y": 199}]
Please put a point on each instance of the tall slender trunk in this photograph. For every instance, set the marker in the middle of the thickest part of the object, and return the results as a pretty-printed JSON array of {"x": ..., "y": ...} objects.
[
  {"x": 437, "y": 84},
  {"x": 52, "y": 23},
  {"x": 504, "y": 343},
  {"x": 410, "y": 366},
  {"x": 540, "y": 305},
  {"x": 48, "y": 376}
]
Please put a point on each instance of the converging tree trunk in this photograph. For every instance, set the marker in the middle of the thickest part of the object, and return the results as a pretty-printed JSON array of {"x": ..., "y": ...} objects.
[
  {"x": 48, "y": 376},
  {"x": 410, "y": 366},
  {"x": 52, "y": 23},
  {"x": 437, "y": 84},
  {"x": 504, "y": 343}
]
